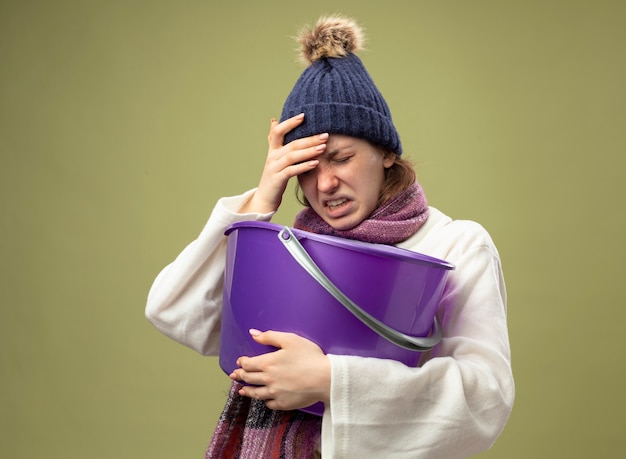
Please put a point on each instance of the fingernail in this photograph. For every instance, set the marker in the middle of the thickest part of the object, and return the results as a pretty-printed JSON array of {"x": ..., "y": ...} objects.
[
  {"x": 301, "y": 115},
  {"x": 254, "y": 332},
  {"x": 323, "y": 136}
]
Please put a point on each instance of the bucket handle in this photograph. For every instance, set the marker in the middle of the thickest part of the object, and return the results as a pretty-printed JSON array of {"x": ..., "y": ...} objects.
[{"x": 413, "y": 343}]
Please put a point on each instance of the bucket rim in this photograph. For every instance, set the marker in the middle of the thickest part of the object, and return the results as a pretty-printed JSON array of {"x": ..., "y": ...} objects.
[{"x": 380, "y": 250}]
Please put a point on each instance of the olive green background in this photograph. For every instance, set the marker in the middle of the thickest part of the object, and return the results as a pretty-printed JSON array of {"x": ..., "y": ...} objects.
[{"x": 122, "y": 122}]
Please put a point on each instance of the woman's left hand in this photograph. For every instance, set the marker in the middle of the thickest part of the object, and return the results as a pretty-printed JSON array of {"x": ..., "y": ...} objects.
[{"x": 295, "y": 376}]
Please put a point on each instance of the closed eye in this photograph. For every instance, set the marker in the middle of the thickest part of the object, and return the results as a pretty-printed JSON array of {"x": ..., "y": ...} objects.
[{"x": 342, "y": 160}]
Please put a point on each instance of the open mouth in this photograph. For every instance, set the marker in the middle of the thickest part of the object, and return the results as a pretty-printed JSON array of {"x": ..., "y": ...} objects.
[{"x": 336, "y": 203}]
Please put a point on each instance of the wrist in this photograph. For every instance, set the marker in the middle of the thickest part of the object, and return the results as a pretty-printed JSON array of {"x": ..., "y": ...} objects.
[
  {"x": 325, "y": 381},
  {"x": 254, "y": 204}
]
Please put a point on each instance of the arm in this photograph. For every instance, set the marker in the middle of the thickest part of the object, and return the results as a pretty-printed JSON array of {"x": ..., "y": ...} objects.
[
  {"x": 185, "y": 300},
  {"x": 457, "y": 402}
]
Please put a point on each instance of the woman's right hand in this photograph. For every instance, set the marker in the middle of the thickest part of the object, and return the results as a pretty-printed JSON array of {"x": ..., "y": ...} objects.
[{"x": 282, "y": 163}]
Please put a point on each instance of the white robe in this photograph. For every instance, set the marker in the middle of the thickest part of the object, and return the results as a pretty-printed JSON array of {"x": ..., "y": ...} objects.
[{"x": 454, "y": 405}]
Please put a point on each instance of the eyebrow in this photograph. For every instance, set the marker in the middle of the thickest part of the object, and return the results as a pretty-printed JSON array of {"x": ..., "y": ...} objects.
[{"x": 330, "y": 154}]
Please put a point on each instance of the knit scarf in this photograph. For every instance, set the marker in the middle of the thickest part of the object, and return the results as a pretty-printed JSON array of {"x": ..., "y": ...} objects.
[
  {"x": 393, "y": 222},
  {"x": 247, "y": 429}
]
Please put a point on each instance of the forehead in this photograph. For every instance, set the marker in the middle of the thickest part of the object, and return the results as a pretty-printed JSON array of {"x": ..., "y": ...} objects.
[{"x": 339, "y": 142}]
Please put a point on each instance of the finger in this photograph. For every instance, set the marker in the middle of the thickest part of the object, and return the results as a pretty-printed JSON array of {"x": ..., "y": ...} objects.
[
  {"x": 293, "y": 160},
  {"x": 277, "y": 133},
  {"x": 257, "y": 393},
  {"x": 256, "y": 363},
  {"x": 311, "y": 145},
  {"x": 271, "y": 338},
  {"x": 303, "y": 167},
  {"x": 256, "y": 378},
  {"x": 273, "y": 123},
  {"x": 250, "y": 364}
]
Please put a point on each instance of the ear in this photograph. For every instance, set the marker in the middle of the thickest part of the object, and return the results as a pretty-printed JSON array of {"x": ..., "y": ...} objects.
[{"x": 389, "y": 159}]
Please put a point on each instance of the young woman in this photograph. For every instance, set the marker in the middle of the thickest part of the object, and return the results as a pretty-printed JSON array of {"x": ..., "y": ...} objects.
[{"x": 336, "y": 136}]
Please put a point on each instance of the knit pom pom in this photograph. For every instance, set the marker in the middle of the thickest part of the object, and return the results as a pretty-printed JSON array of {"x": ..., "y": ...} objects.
[{"x": 332, "y": 36}]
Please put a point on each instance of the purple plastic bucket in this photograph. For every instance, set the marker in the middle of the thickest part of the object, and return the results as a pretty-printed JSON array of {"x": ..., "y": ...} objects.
[{"x": 266, "y": 288}]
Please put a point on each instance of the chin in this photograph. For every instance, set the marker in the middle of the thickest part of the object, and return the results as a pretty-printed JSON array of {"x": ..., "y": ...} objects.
[{"x": 343, "y": 225}]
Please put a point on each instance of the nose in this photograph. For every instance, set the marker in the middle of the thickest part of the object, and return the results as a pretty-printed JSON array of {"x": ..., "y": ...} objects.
[{"x": 327, "y": 181}]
